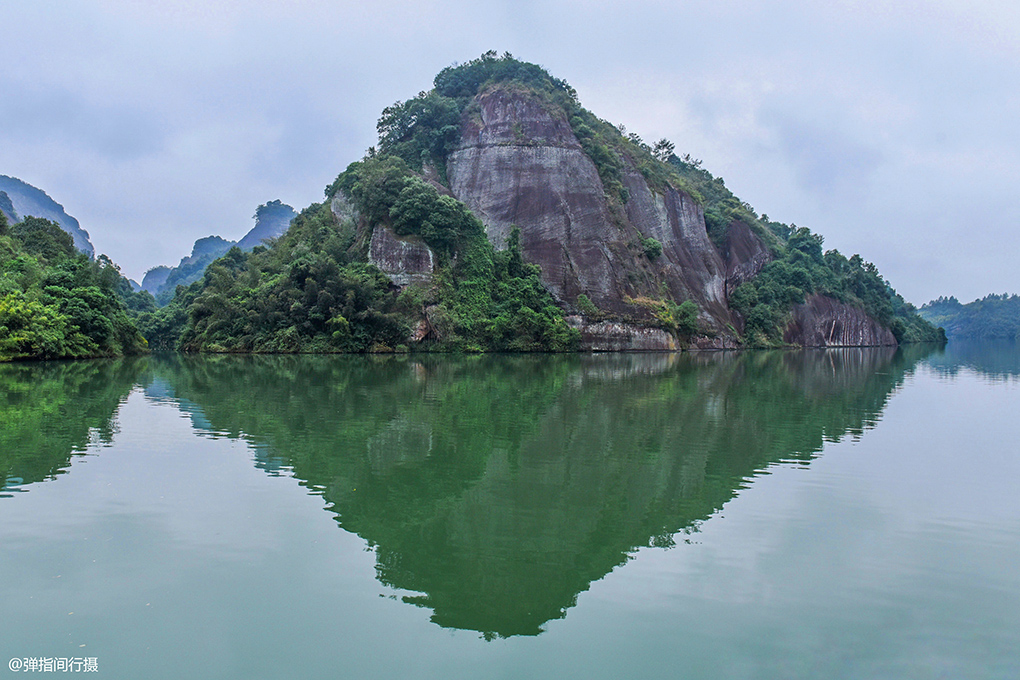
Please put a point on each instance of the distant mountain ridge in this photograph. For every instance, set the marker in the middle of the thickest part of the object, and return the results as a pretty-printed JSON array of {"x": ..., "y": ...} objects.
[
  {"x": 991, "y": 317},
  {"x": 166, "y": 279},
  {"x": 272, "y": 219},
  {"x": 23, "y": 200}
]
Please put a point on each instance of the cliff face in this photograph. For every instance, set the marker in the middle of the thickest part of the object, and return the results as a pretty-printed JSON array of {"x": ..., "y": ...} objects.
[
  {"x": 824, "y": 322},
  {"x": 405, "y": 260},
  {"x": 7, "y": 208},
  {"x": 746, "y": 255},
  {"x": 611, "y": 336},
  {"x": 519, "y": 164},
  {"x": 155, "y": 278}
]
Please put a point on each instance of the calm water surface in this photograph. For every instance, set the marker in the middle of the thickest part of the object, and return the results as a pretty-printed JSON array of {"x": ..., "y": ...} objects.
[{"x": 817, "y": 514}]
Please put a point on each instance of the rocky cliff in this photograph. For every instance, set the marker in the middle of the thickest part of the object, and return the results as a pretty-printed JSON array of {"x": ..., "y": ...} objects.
[
  {"x": 516, "y": 220},
  {"x": 7, "y": 208},
  {"x": 519, "y": 163},
  {"x": 271, "y": 220},
  {"x": 824, "y": 322}
]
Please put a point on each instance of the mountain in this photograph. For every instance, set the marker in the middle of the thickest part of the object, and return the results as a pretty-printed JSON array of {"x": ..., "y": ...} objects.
[
  {"x": 26, "y": 200},
  {"x": 7, "y": 208},
  {"x": 502, "y": 215},
  {"x": 993, "y": 316},
  {"x": 154, "y": 278},
  {"x": 271, "y": 220}
]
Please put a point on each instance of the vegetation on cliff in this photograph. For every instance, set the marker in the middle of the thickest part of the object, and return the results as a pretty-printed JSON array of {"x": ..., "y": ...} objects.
[
  {"x": 57, "y": 303},
  {"x": 993, "y": 316},
  {"x": 799, "y": 268}
]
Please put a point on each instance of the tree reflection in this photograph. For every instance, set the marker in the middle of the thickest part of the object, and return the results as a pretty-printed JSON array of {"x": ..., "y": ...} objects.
[{"x": 52, "y": 410}]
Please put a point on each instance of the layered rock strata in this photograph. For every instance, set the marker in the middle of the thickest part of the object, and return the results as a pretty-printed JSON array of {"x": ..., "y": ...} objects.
[{"x": 612, "y": 336}]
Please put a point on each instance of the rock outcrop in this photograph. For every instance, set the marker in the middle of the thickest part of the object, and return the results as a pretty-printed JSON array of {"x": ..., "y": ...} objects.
[
  {"x": 404, "y": 259},
  {"x": 155, "y": 278},
  {"x": 271, "y": 221},
  {"x": 824, "y": 322},
  {"x": 619, "y": 237},
  {"x": 612, "y": 336},
  {"x": 519, "y": 164},
  {"x": 746, "y": 255},
  {"x": 7, "y": 208}
]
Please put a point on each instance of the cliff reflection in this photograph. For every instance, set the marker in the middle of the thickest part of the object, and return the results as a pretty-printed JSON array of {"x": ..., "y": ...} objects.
[{"x": 497, "y": 488}]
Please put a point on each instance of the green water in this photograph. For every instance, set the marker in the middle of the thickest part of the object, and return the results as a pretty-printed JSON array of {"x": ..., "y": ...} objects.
[{"x": 810, "y": 514}]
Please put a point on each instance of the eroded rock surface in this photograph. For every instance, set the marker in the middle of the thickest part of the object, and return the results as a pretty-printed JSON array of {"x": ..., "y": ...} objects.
[
  {"x": 612, "y": 336},
  {"x": 404, "y": 259},
  {"x": 825, "y": 322},
  {"x": 519, "y": 164},
  {"x": 746, "y": 255}
]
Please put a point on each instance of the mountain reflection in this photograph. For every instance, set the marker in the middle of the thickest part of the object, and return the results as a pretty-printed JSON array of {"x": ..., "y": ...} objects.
[{"x": 498, "y": 488}]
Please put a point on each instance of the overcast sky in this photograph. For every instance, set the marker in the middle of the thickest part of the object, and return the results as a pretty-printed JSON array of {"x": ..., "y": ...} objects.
[{"x": 891, "y": 128}]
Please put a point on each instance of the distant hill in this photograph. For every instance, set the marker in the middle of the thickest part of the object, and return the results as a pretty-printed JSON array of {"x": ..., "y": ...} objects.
[
  {"x": 155, "y": 278},
  {"x": 7, "y": 208},
  {"x": 271, "y": 220},
  {"x": 993, "y": 316},
  {"x": 164, "y": 279},
  {"x": 26, "y": 200}
]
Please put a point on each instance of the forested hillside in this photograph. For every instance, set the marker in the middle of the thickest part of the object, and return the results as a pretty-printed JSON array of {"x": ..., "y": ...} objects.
[
  {"x": 55, "y": 302},
  {"x": 993, "y": 316}
]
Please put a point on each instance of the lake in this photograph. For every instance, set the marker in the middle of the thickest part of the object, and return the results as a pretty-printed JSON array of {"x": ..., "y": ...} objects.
[{"x": 847, "y": 513}]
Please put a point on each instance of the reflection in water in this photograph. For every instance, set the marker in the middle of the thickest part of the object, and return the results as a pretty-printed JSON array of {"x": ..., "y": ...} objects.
[
  {"x": 494, "y": 489},
  {"x": 51, "y": 410}
]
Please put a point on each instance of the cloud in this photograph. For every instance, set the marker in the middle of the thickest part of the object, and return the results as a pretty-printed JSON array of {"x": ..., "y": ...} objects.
[
  {"x": 826, "y": 162},
  {"x": 58, "y": 114}
]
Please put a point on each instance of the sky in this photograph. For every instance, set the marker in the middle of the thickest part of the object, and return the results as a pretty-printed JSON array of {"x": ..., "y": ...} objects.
[{"x": 891, "y": 128}]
